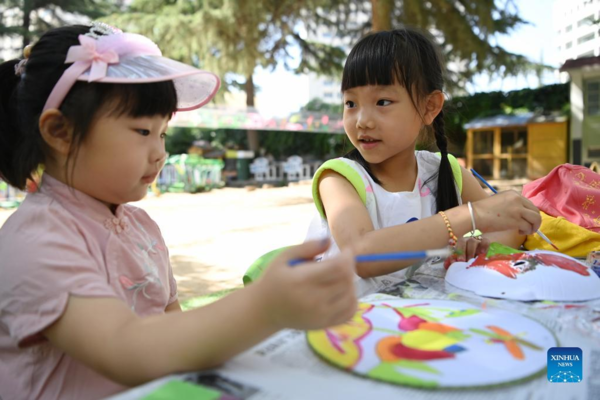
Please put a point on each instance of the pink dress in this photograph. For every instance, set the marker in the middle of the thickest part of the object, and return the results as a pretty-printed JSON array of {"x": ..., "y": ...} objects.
[{"x": 61, "y": 242}]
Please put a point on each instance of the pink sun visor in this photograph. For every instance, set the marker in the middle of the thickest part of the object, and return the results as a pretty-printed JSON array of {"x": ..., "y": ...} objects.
[{"x": 131, "y": 58}]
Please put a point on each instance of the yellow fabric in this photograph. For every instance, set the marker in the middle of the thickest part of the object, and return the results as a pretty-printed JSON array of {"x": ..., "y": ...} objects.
[{"x": 571, "y": 239}]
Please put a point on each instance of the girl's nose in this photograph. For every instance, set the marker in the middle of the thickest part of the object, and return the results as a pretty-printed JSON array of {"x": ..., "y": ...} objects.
[
  {"x": 364, "y": 121},
  {"x": 161, "y": 161},
  {"x": 159, "y": 154}
]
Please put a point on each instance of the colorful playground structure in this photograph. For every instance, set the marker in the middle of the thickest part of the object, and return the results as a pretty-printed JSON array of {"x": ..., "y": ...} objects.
[{"x": 189, "y": 173}]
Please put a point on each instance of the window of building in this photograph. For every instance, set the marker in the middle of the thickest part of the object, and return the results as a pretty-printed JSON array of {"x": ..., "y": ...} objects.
[
  {"x": 589, "y": 20},
  {"x": 592, "y": 98},
  {"x": 586, "y": 54},
  {"x": 569, "y": 28},
  {"x": 585, "y": 38},
  {"x": 569, "y": 45}
]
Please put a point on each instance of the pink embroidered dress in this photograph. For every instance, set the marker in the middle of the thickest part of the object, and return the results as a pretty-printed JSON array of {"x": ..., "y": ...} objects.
[{"x": 61, "y": 243}]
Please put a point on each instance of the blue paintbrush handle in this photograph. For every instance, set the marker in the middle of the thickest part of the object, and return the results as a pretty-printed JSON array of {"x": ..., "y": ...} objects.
[
  {"x": 402, "y": 255},
  {"x": 484, "y": 181}
]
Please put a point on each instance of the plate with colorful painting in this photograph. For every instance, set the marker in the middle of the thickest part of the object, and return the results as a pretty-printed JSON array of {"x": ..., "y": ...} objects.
[
  {"x": 435, "y": 343},
  {"x": 525, "y": 275}
]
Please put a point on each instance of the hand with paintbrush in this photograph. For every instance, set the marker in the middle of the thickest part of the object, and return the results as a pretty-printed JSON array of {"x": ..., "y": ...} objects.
[{"x": 496, "y": 192}]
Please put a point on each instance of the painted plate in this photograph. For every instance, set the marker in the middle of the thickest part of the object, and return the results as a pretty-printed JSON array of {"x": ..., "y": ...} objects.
[{"x": 435, "y": 343}]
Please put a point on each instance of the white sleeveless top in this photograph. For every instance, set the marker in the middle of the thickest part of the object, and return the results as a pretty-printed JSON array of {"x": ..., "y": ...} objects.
[{"x": 385, "y": 208}]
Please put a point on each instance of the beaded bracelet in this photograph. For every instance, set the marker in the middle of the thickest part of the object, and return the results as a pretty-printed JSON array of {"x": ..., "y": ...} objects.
[{"x": 453, "y": 239}]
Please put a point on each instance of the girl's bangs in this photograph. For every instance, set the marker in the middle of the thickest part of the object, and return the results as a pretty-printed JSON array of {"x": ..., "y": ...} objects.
[
  {"x": 139, "y": 99},
  {"x": 372, "y": 62}
]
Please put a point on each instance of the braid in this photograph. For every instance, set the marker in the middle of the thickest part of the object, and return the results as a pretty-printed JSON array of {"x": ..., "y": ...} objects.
[{"x": 446, "y": 193}]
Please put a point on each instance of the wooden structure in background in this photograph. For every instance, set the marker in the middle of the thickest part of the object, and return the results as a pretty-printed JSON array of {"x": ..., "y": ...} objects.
[{"x": 516, "y": 146}]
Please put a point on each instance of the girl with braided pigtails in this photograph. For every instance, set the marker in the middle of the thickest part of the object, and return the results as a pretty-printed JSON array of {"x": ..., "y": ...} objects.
[{"x": 384, "y": 196}]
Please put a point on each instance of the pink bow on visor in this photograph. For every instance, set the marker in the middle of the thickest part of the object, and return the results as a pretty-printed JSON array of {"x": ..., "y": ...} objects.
[
  {"x": 130, "y": 58},
  {"x": 88, "y": 54}
]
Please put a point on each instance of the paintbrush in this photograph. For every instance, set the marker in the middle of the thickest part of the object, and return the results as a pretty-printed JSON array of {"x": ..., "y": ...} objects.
[
  {"x": 495, "y": 192},
  {"x": 402, "y": 255}
]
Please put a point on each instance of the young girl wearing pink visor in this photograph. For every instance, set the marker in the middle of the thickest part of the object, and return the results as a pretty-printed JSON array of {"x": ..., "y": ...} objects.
[{"x": 88, "y": 302}]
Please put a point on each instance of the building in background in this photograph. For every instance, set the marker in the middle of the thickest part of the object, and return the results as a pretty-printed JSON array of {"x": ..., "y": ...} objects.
[
  {"x": 326, "y": 89},
  {"x": 585, "y": 109},
  {"x": 576, "y": 23}
]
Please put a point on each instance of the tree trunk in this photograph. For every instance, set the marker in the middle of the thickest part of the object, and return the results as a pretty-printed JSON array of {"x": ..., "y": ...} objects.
[
  {"x": 253, "y": 142},
  {"x": 27, "y": 9},
  {"x": 382, "y": 14}
]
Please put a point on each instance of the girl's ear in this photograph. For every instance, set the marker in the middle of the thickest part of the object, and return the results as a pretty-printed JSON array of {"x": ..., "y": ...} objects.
[
  {"x": 433, "y": 106},
  {"x": 56, "y": 131}
]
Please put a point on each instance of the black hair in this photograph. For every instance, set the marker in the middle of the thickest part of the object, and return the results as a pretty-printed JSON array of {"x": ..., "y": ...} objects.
[
  {"x": 411, "y": 58},
  {"x": 22, "y": 98}
]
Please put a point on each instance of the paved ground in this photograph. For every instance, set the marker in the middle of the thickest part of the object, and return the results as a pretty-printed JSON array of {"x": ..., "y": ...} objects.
[{"x": 213, "y": 237}]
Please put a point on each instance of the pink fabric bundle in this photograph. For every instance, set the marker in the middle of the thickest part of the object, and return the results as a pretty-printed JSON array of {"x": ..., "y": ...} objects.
[{"x": 569, "y": 191}]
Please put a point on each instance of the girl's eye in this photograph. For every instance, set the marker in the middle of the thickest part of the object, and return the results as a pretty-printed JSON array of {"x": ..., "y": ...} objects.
[
  {"x": 384, "y": 102},
  {"x": 163, "y": 135},
  {"x": 143, "y": 132},
  {"x": 349, "y": 104}
]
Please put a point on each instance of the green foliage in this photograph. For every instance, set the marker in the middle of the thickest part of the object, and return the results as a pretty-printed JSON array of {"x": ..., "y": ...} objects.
[
  {"x": 320, "y": 146},
  {"x": 467, "y": 31},
  {"x": 179, "y": 140},
  {"x": 231, "y": 36},
  {"x": 460, "y": 110},
  {"x": 470, "y": 29},
  {"x": 319, "y": 105},
  {"x": 279, "y": 144},
  {"x": 29, "y": 19}
]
